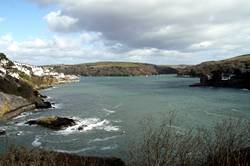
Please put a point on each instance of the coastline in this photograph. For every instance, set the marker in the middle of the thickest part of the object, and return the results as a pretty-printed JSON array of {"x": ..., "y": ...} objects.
[
  {"x": 16, "y": 112},
  {"x": 31, "y": 106}
]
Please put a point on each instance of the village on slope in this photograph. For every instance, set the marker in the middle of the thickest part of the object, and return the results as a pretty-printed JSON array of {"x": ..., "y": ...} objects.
[{"x": 19, "y": 85}]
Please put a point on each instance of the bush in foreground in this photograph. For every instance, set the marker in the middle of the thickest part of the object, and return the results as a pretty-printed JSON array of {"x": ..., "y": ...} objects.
[
  {"x": 24, "y": 157},
  {"x": 227, "y": 144}
]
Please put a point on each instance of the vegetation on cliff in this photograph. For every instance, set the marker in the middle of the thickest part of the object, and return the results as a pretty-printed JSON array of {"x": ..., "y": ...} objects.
[
  {"x": 233, "y": 72},
  {"x": 114, "y": 69},
  {"x": 37, "y": 157},
  {"x": 23, "y": 80}
]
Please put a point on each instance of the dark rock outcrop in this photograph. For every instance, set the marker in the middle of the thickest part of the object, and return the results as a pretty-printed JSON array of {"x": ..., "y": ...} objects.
[
  {"x": 81, "y": 127},
  {"x": 43, "y": 105},
  {"x": 2, "y": 132},
  {"x": 53, "y": 122},
  {"x": 234, "y": 73}
]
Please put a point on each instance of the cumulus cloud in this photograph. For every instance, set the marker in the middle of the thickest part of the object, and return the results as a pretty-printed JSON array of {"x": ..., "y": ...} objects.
[
  {"x": 67, "y": 49},
  {"x": 59, "y": 22},
  {"x": 162, "y": 24},
  {"x": 180, "y": 31}
]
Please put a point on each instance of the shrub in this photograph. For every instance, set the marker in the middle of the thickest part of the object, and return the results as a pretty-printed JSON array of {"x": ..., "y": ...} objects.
[
  {"x": 226, "y": 144},
  {"x": 37, "y": 157}
]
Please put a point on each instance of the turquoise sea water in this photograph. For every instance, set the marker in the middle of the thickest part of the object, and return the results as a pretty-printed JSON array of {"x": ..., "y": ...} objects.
[{"x": 113, "y": 107}]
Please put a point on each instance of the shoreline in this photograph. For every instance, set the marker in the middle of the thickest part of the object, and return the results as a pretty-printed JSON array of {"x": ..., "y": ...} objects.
[
  {"x": 32, "y": 106},
  {"x": 16, "y": 112}
]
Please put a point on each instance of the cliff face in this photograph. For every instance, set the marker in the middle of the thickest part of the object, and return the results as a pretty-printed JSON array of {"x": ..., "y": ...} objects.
[
  {"x": 233, "y": 72},
  {"x": 21, "y": 82},
  {"x": 10, "y": 103},
  {"x": 114, "y": 69}
]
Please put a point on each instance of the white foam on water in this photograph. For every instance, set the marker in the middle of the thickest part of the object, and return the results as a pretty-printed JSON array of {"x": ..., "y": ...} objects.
[
  {"x": 59, "y": 142},
  {"x": 24, "y": 114},
  {"x": 20, "y": 133},
  {"x": 22, "y": 124},
  {"x": 50, "y": 88},
  {"x": 36, "y": 142},
  {"x": 235, "y": 109},
  {"x": 75, "y": 151},
  {"x": 109, "y": 147},
  {"x": 89, "y": 124},
  {"x": 117, "y": 106},
  {"x": 111, "y": 128},
  {"x": 103, "y": 139},
  {"x": 57, "y": 106},
  {"x": 117, "y": 121},
  {"x": 108, "y": 111}
]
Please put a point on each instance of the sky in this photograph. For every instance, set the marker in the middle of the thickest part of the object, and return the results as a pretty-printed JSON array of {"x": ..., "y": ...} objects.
[{"x": 174, "y": 32}]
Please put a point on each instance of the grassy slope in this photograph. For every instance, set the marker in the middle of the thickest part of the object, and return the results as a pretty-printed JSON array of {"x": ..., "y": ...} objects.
[
  {"x": 112, "y": 64},
  {"x": 239, "y": 62},
  {"x": 114, "y": 69}
]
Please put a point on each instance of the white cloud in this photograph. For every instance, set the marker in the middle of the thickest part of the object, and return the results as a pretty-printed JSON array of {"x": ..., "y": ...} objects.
[
  {"x": 59, "y": 22},
  {"x": 154, "y": 31},
  {"x": 2, "y": 19},
  {"x": 67, "y": 49},
  {"x": 201, "y": 45},
  {"x": 162, "y": 24}
]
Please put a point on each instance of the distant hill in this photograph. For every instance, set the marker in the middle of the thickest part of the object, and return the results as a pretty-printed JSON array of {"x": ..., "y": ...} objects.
[
  {"x": 114, "y": 69},
  {"x": 233, "y": 72}
]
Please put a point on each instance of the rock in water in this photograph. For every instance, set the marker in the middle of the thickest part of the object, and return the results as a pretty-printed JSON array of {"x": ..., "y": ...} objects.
[
  {"x": 53, "y": 122},
  {"x": 43, "y": 105},
  {"x": 2, "y": 132},
  {"x": 81, "y": 127}
]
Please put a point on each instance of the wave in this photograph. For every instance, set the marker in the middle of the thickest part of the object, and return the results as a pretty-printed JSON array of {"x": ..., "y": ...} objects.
[
  {"x": 24, "y": 114},
  {"x": 22, "y": 124},
  {"x": 75, "y": 151},
  {"x": 36, "y": 142},
  {"x": 49, "y": 98},
  {"x": 103, "y": 139},
  {"x": 50, "y": 88},
  {"x": 235, "y": 109},
  {"x": 108, "y": 111},
  {"x": 117, "y": 106},
  {"x": 60, "y": 142},
  {"x": 89, "y": 124},
  {"x": 19, "y": 133},
  {"x": 117, "y": 121},
  {"x": 109, "y": 147},
  {"x": 57, "y": 106}
]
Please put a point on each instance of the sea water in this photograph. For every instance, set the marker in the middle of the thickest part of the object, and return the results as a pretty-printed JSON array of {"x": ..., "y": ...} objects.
[{"x": 111, "y": 110}]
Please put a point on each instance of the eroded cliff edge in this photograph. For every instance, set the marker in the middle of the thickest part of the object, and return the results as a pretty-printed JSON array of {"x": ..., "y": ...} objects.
[
  {"x": 233, "y": 72},
  {"x": 19, "y": 85}
]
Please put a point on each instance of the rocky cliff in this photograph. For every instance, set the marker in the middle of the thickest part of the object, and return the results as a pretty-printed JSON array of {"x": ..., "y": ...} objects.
[
  {"x": 233, "y": 72},
  {"x": 114, "y": 69},
  {"x": 19, "y": 84}
]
